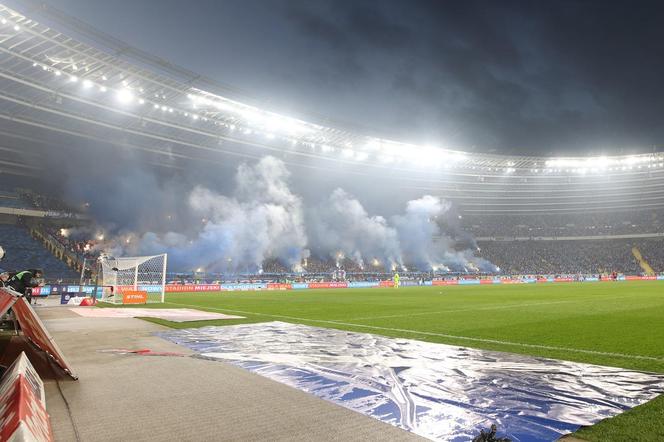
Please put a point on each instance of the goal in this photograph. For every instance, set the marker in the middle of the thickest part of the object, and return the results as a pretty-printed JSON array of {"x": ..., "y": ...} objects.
[{"x": 139, "y": 273}]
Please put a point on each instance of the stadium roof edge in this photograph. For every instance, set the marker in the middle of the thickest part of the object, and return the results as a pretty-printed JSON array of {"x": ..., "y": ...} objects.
[
  {"x": 59, "y": 91},
  {"x": 226, "y": 104}
]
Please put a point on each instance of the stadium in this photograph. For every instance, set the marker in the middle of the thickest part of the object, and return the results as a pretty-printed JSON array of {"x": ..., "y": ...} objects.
[{"x": 203, "y": 266}]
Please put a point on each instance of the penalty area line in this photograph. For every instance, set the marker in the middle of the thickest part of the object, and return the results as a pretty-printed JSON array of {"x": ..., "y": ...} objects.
[{"x": 442, "y": 335}]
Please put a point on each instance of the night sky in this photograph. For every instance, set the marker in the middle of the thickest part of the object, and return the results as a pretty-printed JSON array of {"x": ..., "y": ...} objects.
[{"x": 495, "y": 76}]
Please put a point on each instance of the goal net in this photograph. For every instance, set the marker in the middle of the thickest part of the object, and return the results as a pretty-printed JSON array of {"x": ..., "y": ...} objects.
[{"x": 135, "y": 274}]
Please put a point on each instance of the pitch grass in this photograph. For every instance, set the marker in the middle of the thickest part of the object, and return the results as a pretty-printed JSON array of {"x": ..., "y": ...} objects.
[{"x": 608, "y": 323}]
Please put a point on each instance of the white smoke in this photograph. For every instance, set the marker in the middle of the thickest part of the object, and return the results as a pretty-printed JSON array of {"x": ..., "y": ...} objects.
[
  {"x": 265, "y": 219},
  {"x": 341, "y": 225},
  {"x": 426, "y": 246},
  {"x": 419, "y": 234}
]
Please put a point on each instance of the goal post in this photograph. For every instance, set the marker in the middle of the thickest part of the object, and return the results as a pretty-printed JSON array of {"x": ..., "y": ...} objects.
[{"x": 138, "y": 273}]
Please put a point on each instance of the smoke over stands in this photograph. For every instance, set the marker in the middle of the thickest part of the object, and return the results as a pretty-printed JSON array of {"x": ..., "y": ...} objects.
[{"x": 260, "y": 215}]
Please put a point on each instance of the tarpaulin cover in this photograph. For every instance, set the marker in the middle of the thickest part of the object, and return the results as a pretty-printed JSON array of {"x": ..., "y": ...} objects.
[
  {"x": 438, "y": 391},
  {"x": 174, "y": 315}
]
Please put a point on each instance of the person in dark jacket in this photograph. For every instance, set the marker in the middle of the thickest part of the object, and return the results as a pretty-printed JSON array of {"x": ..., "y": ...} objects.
[{"x": 23, "y": 282}]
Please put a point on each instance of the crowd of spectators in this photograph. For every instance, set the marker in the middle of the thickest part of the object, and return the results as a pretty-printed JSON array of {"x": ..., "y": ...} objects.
[
  {"x": 512, "y": 257},
  {"x": 572, "y": 257},
  {"x": 43, "y": 202},
  {"x": 82, "y": 247},
  {"x": 529, "y": 257},
  {"x": 560, "y": 225},
  {"x": 315, "y": 265}
]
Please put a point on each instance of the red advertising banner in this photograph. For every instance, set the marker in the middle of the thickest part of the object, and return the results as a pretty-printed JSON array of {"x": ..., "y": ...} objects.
[
  {"x": 22, "y": 408},
  {"x": 640, "y": 278},
  {"x": 34, "y": 329},
  {"x": 386, "y": 284},
  {"x": 486, "y": 281},
  {"x": 193, "y": 288},
  {"x": 279, "y": 286},
  {"x": 328, "y": 285},
  {"x": 563, "y": 279},
  {"x": 445, "y": 282}
]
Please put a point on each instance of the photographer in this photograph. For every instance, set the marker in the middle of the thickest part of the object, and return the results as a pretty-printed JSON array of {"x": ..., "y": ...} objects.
[
  {"x": 4, "y": 276},
  {"x": 24, "y": 281}
]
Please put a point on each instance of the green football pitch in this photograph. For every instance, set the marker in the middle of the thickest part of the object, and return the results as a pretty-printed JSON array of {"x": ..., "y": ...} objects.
[{"x": 608, "y": 323}]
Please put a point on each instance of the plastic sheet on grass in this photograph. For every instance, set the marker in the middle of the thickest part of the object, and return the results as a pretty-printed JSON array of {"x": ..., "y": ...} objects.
[{"x": 438, "y": 391}]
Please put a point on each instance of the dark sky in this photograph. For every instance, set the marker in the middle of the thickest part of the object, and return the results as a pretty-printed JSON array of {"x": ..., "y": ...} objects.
[{"x": 495, "y": 76}]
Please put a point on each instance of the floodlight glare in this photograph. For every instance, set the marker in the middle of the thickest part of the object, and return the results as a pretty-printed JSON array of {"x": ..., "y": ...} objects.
[
  {"x": 348, "y": 153},
  {"x": 125, "y": 96}
]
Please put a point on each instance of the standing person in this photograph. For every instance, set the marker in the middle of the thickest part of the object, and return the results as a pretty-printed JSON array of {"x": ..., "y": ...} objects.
[
  {"x": 24, "y": 281},
  {"x": 396, "y": 280},
  {"x": 4, "y": 278}
]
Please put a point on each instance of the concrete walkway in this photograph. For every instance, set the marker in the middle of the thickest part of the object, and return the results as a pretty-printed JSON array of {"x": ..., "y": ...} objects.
[{"x": 170, "y": 398}]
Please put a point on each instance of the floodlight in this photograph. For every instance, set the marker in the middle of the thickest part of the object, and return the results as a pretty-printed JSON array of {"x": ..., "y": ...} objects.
[{"x": 125, "y": 96}]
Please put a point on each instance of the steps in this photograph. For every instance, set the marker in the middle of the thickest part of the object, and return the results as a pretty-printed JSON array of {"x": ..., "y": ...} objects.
[{"x": 642, "y": 262}]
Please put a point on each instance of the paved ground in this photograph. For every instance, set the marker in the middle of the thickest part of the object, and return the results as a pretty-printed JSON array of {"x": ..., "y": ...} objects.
[{"x": 149, "y": 398}]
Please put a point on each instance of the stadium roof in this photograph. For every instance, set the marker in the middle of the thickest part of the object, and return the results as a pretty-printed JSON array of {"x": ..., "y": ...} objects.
[{"x": 88, "y": 85}]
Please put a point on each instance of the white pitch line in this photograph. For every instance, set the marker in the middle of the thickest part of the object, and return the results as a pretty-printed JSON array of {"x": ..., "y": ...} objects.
[
  {"x": 470, "y": 309},
  {"x": 443, "y": 335}
]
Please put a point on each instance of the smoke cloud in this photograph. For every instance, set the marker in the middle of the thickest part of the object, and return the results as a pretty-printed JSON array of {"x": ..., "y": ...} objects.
[
  {"x": 341, "y": 226},
  {"x": 263, "y": 218}
]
